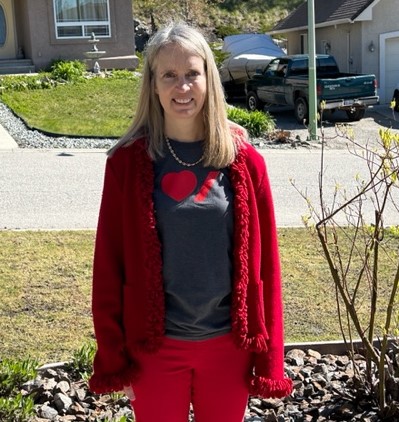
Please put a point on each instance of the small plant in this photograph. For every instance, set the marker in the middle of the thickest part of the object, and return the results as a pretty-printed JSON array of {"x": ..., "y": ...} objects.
[
  {"x": 121, "y": 419},
  {"x": 69, "y": 71},
  {"x": 124, "y": 74},
  {"x": 13, "y": 374},
  {"x": 82, "y": 361},
  {"x": 16, "y": 409},
  {"x": 255, "y": 122},
  {"x": 25, "y": 82}
]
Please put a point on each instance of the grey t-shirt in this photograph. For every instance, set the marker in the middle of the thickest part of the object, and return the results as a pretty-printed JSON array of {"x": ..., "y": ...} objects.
[{"x": 194, "y": 213}]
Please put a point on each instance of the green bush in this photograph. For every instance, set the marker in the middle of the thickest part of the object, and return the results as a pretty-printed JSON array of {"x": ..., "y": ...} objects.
[
  {"x": 255, "y": 122},
  {"x": 223, "y": 31},
  {"x": 69, "y": 71}
]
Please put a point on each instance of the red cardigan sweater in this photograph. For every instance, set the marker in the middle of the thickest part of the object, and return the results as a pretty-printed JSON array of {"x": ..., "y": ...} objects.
[{"x": 128, "y": 297}]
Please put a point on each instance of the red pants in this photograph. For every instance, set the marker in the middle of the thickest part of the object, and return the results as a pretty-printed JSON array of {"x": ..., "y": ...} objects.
[{"x": 210, "y": 374}]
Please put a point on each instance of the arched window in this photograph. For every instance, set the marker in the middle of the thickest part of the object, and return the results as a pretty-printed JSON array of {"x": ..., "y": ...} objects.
[
  {"x": 3, "y": 27},
  {"x": 80, "y": 18}
]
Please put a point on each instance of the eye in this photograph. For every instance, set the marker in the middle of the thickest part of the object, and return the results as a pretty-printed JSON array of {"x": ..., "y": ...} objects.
[
  {"x": 193, "y": 74},
  {"x": 169, "y": 75}
]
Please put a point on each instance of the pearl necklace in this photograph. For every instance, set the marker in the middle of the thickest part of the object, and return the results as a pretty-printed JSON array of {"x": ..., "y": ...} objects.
[{"x": 183, "y": 163}]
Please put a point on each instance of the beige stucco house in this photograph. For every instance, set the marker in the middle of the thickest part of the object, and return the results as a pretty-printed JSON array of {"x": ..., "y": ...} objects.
[
  {"x": 35, "y": 32},
  {"x": 363, "y": 36}
]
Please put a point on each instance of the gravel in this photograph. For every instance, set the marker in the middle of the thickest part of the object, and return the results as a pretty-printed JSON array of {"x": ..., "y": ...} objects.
[{"x": 27, "y": 138}]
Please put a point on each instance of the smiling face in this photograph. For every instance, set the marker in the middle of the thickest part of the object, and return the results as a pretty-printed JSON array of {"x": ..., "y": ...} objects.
[{"x": 180, "y": 83}]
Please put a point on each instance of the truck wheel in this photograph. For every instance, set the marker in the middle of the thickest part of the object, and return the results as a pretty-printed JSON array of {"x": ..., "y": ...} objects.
[
  {"x": 355, "y": 114},
  {"x": 253, "y": 102},
  {"x": 301, "y": 110}
]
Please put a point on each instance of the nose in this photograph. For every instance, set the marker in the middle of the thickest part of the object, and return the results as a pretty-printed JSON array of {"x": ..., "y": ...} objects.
[{"x": 183, "y": 83}]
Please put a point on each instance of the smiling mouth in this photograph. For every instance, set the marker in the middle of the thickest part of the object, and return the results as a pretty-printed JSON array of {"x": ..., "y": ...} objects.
[{"x": 182, "y": 101}]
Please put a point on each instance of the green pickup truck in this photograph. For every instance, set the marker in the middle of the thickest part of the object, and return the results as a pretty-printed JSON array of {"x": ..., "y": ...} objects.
[{"x": 285, "y": 82}]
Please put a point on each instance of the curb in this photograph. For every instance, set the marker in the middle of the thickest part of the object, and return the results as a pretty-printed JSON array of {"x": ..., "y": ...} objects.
[
  {"x": 6, "y": 140},
  {"x": 335, "y": 347}
]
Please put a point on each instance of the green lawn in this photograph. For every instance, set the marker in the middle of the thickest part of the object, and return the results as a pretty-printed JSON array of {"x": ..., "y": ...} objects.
[
  {"x": 45, "y": 284},
  {"x": 96, "y": 107}
]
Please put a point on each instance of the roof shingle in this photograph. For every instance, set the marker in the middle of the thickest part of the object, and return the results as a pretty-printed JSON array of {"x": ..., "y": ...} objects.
[{"x": 333, "y": 10}]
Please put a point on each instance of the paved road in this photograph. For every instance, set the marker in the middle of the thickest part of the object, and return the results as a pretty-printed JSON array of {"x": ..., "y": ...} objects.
[
  {"x": 57, "y": 189},
  {"x": 51, "y": 189}
]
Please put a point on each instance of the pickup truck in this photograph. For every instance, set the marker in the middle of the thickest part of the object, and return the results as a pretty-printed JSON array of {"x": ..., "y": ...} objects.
[{"x": 285, "y": 81}]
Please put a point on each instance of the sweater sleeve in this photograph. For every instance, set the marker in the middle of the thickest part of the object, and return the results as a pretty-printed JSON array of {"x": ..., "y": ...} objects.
[
  {"x": 112, "y": 367},
  {"x": 268, "y": 379}
]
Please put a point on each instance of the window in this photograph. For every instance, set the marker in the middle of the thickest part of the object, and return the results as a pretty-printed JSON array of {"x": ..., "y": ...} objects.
[
  {"x": 3, "y": 27},
  {"x": 299, "y": 67},
  {"x": 80, "y": 18},
  {"x": 304, "y": 43}
]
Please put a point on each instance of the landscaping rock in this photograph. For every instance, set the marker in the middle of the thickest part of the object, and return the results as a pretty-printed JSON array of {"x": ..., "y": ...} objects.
[
  {"x": 47, "y": 412},
  {"x": 322, "y": 392}
]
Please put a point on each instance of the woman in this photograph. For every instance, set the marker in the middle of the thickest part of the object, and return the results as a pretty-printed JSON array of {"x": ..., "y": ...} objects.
[{"x": 187, "y": 301}]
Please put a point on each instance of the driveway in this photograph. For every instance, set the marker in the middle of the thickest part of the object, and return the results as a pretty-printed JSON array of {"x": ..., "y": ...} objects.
[
  {"x": 333, "y": 127},
  {"x": 365, "y": 130}
]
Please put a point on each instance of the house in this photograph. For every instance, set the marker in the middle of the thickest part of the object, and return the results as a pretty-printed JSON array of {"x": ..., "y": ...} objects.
[
  {"x": 33, "y": 33},
  {"x": 363, "y": 36}
]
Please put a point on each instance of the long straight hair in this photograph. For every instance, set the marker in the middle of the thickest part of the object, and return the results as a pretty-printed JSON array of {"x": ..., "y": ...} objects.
[{"x": 220, "y": 148}]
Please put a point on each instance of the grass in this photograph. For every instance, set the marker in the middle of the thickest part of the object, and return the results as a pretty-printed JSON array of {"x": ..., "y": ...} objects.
[
  {"x": 45, "y": 285},
  {"x": 96, "y": 107},
  {"x": 45, "y": 290}
]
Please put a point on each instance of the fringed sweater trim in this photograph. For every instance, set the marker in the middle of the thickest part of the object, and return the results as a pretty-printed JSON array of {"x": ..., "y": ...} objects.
[
  {"x": 268, "y": 388},
  {"x": 153, "y": 260},
  {"x": 102, "y": 384},
  {"x": 255, "y": 341}
]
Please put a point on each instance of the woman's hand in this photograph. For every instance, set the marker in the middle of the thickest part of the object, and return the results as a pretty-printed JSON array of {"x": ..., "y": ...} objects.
[{"x": 128, "y": 390}]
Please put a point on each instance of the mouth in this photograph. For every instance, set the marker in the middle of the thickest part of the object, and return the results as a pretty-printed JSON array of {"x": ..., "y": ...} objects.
[{"x": 182, "y": 100}]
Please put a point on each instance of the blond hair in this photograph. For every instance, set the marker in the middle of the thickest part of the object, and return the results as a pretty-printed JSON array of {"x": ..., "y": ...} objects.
[{"x": 220, "y": 148}]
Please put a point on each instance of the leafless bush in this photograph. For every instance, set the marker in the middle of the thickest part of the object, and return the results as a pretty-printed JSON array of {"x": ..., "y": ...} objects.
[{"x": 353, "y": 251}]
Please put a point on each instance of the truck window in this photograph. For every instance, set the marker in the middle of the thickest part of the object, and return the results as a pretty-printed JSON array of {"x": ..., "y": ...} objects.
[
  {"x": 272, "y": 68},
  {"x": 326, "y": 65},
  {"x": 299, "y": 67}
]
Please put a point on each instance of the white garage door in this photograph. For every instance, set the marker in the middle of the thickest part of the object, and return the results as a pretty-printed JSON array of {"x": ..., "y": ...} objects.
[{"x": 391, "y": 66}]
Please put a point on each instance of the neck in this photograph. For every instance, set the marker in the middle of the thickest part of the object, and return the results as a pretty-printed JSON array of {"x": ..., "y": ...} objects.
[{"x": 184, "y": 133}]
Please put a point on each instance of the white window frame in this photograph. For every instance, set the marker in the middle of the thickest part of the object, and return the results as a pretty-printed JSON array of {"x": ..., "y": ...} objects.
[{"x": 83, "y": 25}]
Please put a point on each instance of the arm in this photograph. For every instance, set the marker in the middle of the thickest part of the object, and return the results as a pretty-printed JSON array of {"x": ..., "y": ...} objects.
[
  {"x": 112, "y": 368},
  {"x": 268, "y": 379}
]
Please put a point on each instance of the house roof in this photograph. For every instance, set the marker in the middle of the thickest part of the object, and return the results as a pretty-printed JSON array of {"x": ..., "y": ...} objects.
[{"x": 326, "y": 12}]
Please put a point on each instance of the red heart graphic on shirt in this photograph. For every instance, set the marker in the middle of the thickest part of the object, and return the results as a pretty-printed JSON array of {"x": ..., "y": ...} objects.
[{"x": 179, "y": 185}]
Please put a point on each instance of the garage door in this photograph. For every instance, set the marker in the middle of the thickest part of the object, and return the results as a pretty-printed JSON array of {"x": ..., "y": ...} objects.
[{"x": 391, "y": 66}]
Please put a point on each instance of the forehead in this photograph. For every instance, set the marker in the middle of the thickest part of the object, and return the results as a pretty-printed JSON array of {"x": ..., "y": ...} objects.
[{"x": 174, "y": 57}]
